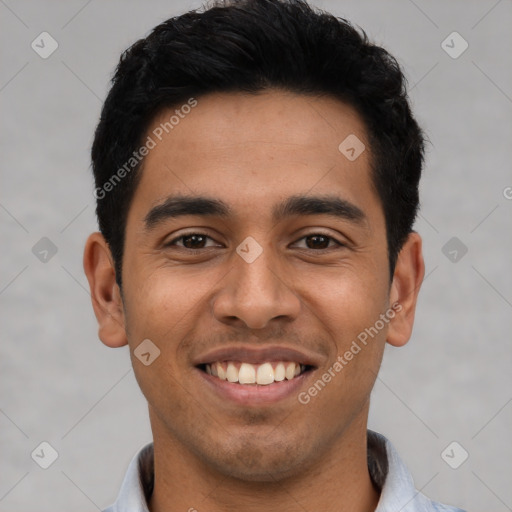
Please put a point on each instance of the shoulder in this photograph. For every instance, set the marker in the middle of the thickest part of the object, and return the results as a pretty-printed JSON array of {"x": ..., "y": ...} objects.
[{"x": 441, "y": 507}]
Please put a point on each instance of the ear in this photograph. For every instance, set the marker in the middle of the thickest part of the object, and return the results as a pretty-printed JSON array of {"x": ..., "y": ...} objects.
[
  {"x": 407, "y": 279},
  {"x": 105, "y": 293}
]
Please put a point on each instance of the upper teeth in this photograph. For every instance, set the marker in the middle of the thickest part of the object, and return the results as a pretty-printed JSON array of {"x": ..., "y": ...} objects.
[{"x": 247, "y": 373}]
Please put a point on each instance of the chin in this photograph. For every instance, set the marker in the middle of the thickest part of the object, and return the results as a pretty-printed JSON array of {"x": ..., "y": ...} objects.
[
  {"x": 263, "y": 472},
  {"x": 253, "y": 461}
]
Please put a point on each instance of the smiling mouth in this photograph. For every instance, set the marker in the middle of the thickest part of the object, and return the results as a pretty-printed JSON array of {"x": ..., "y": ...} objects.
[{"x": 264, "y": 374}]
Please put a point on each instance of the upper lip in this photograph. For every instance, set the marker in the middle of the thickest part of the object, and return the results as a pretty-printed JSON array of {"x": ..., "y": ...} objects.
[{"x": 257, "y": 355}]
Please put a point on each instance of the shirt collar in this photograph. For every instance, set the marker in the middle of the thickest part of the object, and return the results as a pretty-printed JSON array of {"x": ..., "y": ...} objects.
[{"x": 387, "y": 470}]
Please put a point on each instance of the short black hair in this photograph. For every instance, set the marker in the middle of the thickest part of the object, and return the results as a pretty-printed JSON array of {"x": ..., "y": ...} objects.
[{"x": 251, "y": 46}]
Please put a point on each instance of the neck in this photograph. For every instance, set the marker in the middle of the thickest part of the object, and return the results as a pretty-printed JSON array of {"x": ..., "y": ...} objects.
[{"x": 339, "y": 481}]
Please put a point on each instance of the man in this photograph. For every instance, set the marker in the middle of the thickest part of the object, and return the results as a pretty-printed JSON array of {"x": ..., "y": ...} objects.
[{"x": 257, "y": 170}]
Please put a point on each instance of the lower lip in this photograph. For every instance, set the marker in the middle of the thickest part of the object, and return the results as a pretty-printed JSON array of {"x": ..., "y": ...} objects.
[{"x": 252, "y": 394}]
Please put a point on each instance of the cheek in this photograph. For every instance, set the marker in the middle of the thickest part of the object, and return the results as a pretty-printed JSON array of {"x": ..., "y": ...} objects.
[
  {"x": 162, "y": 308},
  {"x": 347, "y": 299},
  {"x": 349, "y": 309},
  {"x": 162, "y": 300}
]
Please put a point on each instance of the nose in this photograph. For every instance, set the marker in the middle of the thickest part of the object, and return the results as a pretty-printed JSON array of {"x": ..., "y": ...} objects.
[{"x": 257, "y": 293}]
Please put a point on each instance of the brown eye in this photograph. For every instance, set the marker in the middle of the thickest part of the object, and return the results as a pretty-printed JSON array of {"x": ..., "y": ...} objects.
[
  {"x": 319, "y": 241},
  {"x": 194, "y": 241},
  {"x": 191, "y": 241}
]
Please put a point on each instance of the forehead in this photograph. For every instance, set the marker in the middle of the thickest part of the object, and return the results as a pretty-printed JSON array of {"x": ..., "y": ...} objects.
[{"x": 254, "y": 151}]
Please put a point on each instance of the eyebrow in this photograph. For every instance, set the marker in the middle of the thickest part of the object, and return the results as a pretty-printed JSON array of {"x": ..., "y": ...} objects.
[{"x": 179, "y": 206}]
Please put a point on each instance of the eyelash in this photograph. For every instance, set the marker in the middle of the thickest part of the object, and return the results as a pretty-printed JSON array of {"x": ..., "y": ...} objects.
[{"x": 196, "y": 251}]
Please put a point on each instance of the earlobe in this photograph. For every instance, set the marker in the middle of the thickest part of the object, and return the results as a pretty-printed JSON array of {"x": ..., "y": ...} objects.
[
  {"x": 407, "y": 279},
  {"x": 105, "y": 294}
]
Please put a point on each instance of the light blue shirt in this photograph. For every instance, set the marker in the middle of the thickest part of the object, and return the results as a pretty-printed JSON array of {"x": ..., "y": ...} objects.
[{"x": 387, "y": 470}]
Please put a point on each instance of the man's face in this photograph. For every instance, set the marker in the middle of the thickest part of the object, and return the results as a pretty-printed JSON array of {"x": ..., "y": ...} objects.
[{"x": 317, "y": 282}]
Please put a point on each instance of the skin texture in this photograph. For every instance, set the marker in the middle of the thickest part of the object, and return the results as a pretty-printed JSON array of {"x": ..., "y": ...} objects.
[{"x": 252, "y": 152}]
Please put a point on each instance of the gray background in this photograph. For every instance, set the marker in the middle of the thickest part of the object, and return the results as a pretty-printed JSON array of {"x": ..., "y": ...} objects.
[{"x": 452, "y": 382}]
